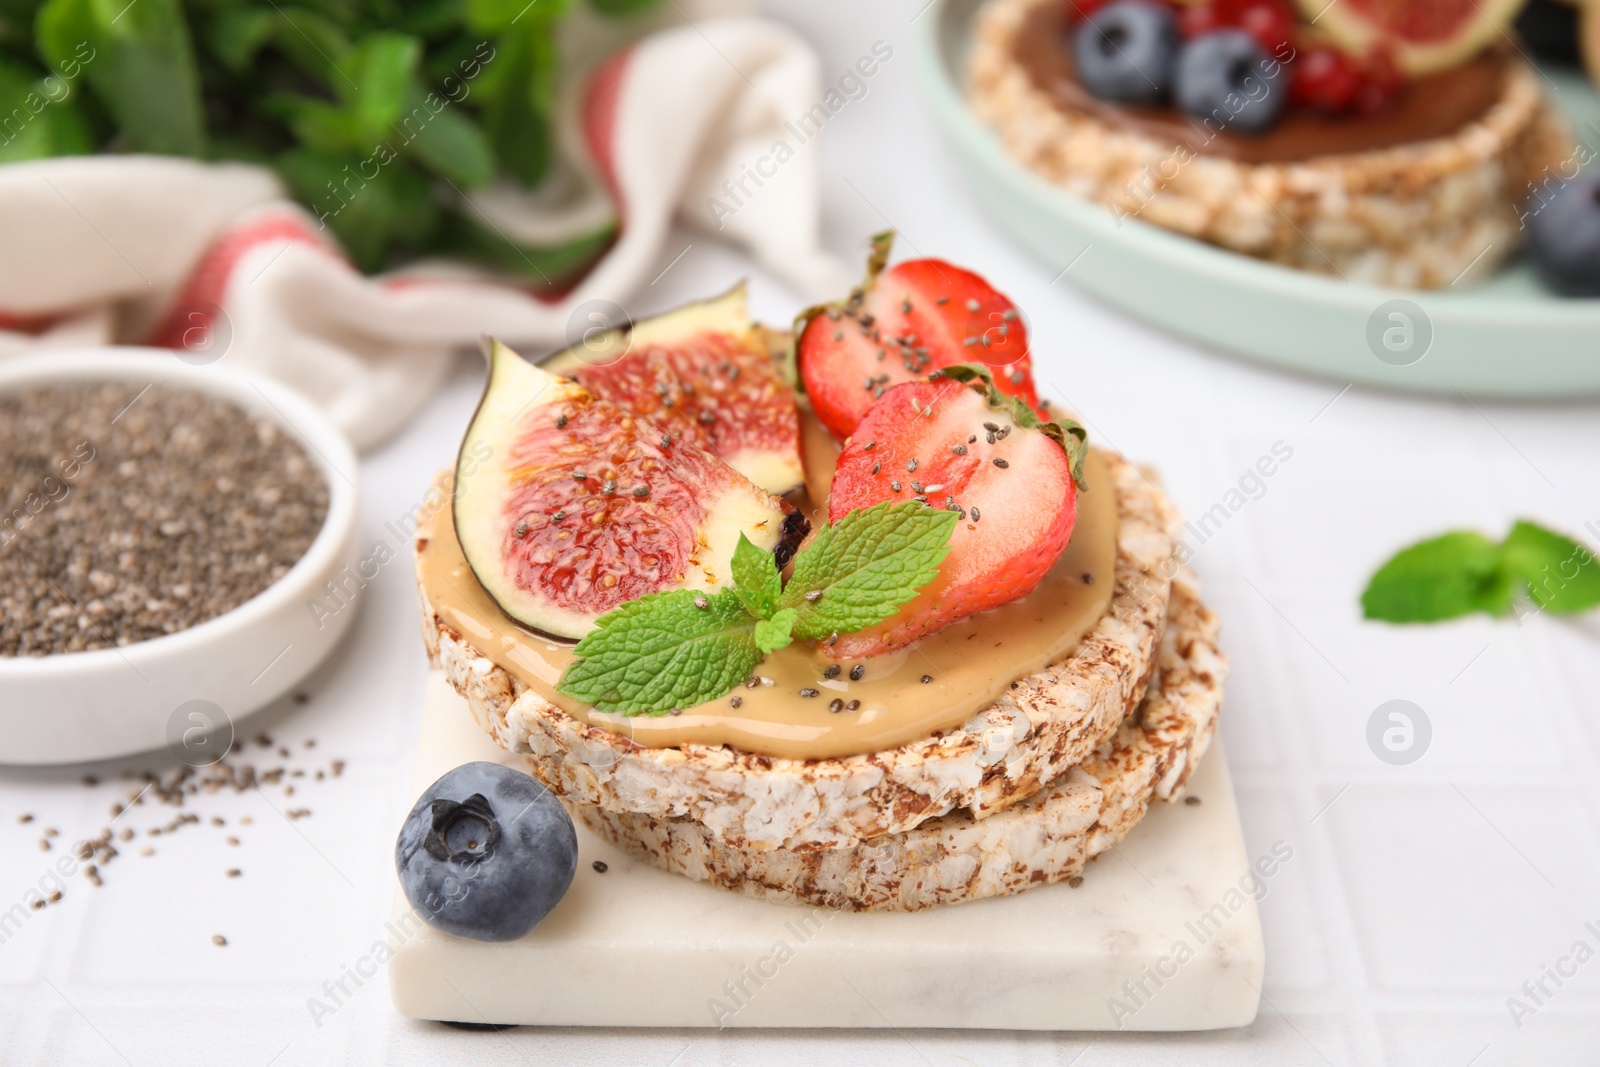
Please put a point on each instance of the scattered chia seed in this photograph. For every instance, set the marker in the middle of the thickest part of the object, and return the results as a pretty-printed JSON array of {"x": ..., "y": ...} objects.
[
  {"x": 832, "y": 672},
  {"x": 1088, "y": 579},
  {"x": 813, "y": 596},
  {"x": 219, "y": 940},
  {"x": 974, "y": 513},
  {"x": 857, "y": 671},
  {"x": 894, "y": 484},
  {"x": 959, "y": 450},
  {"x": 836, "y": 705},
  {"x": 599, "y": 866},
  {"x": 853, "y": 705},
  {"x": 129, "y": 514},
  {"x": 808, "y": 693},
  {"x": 926, "y": 678},
  {"x": 641, "y": 491},
  {"x": 701, "y": 602},
  {"x": 1075, "y": 881},
  {"x": 911, "y": 464},
  {"x": 561, "y": 422},
  {"x": 736, "y": 702},
  {"x": 1193, "y": 802},
  {"x": 1002, "y": 464}
]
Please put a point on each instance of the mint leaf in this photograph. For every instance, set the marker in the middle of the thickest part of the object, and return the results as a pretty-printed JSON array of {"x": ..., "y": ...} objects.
[
  {"x": 1561, "y": 573},
  {"x": 861, "y": 569},
  {"x": 1442, "y": 578},
  {"x": 663, "y": 651},
  {"x": 756, "y": 579},
  {"x": 1068, "y": 433},
  {"x": 776, "y": 632}
]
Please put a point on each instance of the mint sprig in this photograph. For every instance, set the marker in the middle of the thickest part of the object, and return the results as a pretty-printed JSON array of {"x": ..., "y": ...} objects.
[
  {"x": 863, "y": 568},
  {"x": 663, "y": 651},
  {"x": 678, "y": 649},
  {"x": 1463, "y": 572}
]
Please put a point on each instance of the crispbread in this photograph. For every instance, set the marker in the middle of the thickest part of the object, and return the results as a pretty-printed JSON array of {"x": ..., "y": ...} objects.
[
  {"x": 1420, "y": 215},
  {"x": 1046, "y": 838},
  {"x": 1046, "y": 723}
]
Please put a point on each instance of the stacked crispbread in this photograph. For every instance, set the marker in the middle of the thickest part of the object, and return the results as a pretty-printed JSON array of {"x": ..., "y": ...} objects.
[{"x": 1025, "y": 792}]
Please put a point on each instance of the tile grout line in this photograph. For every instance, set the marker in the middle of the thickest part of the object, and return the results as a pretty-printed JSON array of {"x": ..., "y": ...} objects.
[{"x": 1338, "y": 931}]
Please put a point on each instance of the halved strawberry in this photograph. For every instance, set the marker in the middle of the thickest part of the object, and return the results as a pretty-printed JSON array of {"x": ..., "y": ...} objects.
[
  {"x": 957, "y": 443},
  {"x": 901, "y": 325}
]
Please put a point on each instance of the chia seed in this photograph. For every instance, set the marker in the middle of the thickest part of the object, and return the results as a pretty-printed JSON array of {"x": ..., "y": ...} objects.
[
  {"x": 162, "y": 508},
  {"x": 857, "y": 671}
]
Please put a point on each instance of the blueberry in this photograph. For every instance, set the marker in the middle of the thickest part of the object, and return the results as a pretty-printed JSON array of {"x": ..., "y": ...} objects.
[
  {"x": 1227, "y": 77},
  {"x": 1564, "y": 234},
  {"x": 1125, "y": 51},
  {"x": 486, "y": 853}
]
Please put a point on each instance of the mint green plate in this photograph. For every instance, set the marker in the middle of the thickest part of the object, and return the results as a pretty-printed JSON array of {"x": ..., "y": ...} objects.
[{"x": 1507, "y": 337}]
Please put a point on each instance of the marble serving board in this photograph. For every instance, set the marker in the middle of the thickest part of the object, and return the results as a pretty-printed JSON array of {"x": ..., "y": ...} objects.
[{"x": 1162, "y": 934}]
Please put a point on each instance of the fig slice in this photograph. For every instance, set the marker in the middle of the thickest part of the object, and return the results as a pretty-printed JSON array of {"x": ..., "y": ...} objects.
[
  {"x": 703, "y": 372},
  {"x": 567, "y": 506},
  {"x": 1423, "y": 36}
]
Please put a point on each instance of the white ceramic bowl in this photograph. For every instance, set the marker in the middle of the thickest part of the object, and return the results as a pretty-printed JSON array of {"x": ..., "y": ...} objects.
[{"x": 82, "y": 706}]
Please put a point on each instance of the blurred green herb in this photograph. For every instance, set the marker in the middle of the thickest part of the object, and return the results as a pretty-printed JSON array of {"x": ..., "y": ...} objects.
[
  {"x": 378, "y": 114},
  {"x": 1463, "y": 572}
]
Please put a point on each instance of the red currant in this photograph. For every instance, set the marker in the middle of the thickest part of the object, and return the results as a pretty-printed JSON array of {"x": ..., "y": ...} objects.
[
  {"x": 1325, "y": 80},
  {"x": 1078, "y": 10},
  {"x": 1381, "y": 84}
]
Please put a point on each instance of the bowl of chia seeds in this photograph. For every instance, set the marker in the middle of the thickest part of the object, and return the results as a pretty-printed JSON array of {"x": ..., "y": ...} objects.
[{"x": 166, "y": 531}]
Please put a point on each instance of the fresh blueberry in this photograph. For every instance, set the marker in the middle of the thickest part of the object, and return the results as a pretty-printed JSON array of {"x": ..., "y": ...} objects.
[
  {"x": 1564, "y": 235},
  {"x": 1125, "y": 51},
  {"x": 1227, "y": 77},
  {"x": 486, "y": 853}
]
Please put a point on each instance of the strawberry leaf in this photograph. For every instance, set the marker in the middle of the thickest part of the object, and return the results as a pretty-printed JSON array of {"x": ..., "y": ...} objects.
[{"x": 1068, "y": 433}]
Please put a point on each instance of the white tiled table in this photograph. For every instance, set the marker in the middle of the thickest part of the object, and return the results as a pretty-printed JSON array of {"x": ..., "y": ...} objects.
[{"x": 1420, "y": 898}]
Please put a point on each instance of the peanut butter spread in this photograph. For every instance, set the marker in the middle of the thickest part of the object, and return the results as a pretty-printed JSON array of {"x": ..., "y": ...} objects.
[{"x": 867, "y": 705}]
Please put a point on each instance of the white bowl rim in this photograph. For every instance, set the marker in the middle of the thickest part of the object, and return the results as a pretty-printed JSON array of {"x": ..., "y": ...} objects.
[{"x": 324, "y": 444}]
